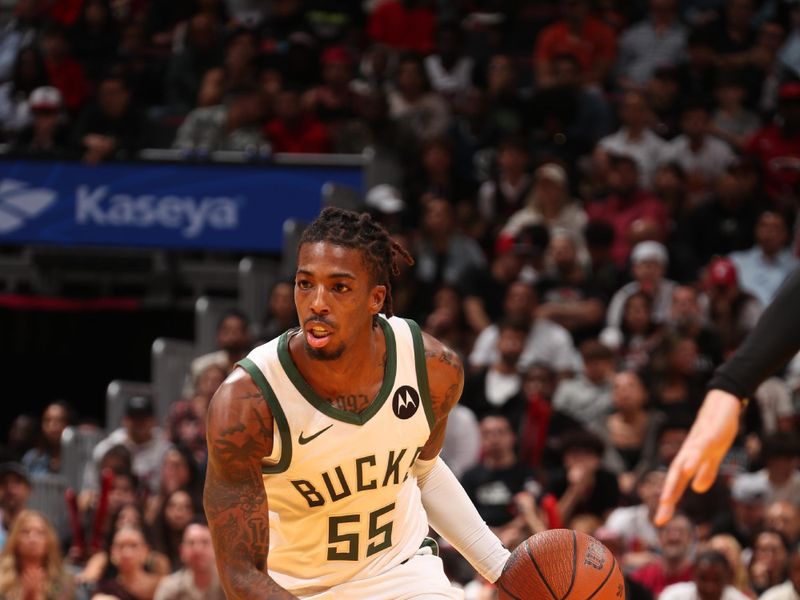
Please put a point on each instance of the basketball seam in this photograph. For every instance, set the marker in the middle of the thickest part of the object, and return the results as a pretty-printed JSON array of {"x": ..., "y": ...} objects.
[
  {"x": 502, "y": 587},
  {"x": 574, "y": 564},
  {"x": 600, "y": 587},
  {"x": 538, "y": 570}
]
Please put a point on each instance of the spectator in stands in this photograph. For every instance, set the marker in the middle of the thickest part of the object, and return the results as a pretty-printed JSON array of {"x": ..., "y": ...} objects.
[
  {"x": 567, "y": 118},
  {"x": 627, "y": 206},
  {"x": 776, "y": 146},
  {"x": 586, "y": 397},
  {"x": 657, "y": 41},
  {"x": 605, "y": 276},
  {"x": 22, "y": 436},
  {"x": 686, "y": 318},
  {"x": 17, "y": 33},
  {"x": 762, "y": 268},
  {"x": 548, "y": 203},
  {"x": 186, "y": 68},
  {"x": 506, "y": 106},
  {"x": 448, "y": 69},
  {"x": 546, "y": 341},
  {"x": 711, "y": 581},
  {"x": 117, "y": 460},
  {"x": 732, "y": 36},
  {"x": 702, "y": 156},
  {"x": 567, "y": 295},
  {"x": 15, "y": 491},
  {"x": 732, "y": 551},
  {"x": 178, "y": 472},
  {"x": 30, "y": 564},
  {"x": 634, "y": 523},
  {"x": 233, "y": 125},
  {"x": 498, "y": 388},
  {"x": 634, "y": 138},
  {"x": 724, "y": 224},
  {"x": 582, "y": 485},
  {"x": 746, "y": 517},
  {"x": 498, "y": 478},
  {"x": 648, "y": 265},
  {"x": 779, "y": 477},
  {"x": 630, "y": 430},
  {"x": 295, "y": 130},
  {"x": 94, "y": 38},
  {"x": 239, "y": 63},
  {"x": 638, "y": 335},
  {"x": 129, "y": 551},
  {"x": 46, "y": 456},
  {"x": 64, "y": 72},
  {"x": 233, "y": 341},
  {"x": 732, "y": 121},
  {"x": 538, "y": 386},
  {"x": 770, "y": 560},
  {"x": 403, "y": 25},
  {"x": 789, "y": 589},
  {"x": 505, "y": 193},
  {"x": 462, "y": 443},
  {"x": 674, "y": 564},
  {"x": 413, "y": 105},
  {"x": 579, "y": 33},
  {"x": 664, "y": 97},
  {"x": 198, "y": 578},
  {"x": 442, "y": 253},
  {"x": 447, "y": 322},
  {"x": 99, "y": 565},
  {"x": 48, "y": 134},
  {"x": 113, "y": 128},
  {"x": 784, "y": 517},
  {"x": 280, "y": 314},
  {"x": 28, "y": 75},
  {"x": 333, "y": 102},
  {"x": 176, "y": 513},
  {"x": 484, "y": 290},
  {"x": 139, "y": 434},
  {"x": 186, "y": 420}
]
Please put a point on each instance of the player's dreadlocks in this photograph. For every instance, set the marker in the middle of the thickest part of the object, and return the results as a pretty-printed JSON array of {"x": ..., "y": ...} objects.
[{"x": 353, "y": 230}]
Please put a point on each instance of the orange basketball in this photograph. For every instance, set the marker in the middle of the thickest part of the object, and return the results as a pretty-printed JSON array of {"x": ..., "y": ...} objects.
[{"x": 561, "y": 564}]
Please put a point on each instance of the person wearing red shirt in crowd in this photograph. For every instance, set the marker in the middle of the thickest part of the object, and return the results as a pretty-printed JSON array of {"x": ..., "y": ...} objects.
[
  {"x": 293, "y": 130},
  {"x": 674, "y": 565},
  {"x": 64, "y": 71},
  {"x": 777, "y": 145},
  {"x": 626, "y": 205},
  {"x": 403, "y": 25},
  {"x": 592, "y": 42}
]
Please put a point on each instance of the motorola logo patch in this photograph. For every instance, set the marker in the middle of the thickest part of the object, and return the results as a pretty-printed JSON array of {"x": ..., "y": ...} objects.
[{"x": 405, "y": 402}]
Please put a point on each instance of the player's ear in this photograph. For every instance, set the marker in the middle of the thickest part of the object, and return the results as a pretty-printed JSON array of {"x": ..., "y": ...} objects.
[{"x": 377, "y": 298}]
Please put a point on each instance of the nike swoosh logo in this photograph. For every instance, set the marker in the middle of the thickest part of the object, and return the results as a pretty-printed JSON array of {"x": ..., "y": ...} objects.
[{"x": 304, "y": 440}]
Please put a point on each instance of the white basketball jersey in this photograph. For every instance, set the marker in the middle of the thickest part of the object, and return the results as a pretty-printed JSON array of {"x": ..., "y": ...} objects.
[{"x": 343, "y": 501}]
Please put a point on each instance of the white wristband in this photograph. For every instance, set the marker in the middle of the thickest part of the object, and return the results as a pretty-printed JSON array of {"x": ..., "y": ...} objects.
[{"x": 454, "y": 517}]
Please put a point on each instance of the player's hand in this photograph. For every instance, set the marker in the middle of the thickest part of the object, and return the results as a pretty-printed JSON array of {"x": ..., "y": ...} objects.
[{"x": 702, "y": 452}]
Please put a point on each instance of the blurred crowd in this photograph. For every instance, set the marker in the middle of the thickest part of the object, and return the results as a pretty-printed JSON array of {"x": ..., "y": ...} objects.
[{"x": 600, "y": 198}]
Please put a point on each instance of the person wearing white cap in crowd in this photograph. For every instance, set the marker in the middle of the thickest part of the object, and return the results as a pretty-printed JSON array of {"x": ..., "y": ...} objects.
[
  {"x": 548, "y": 203},
  {"x": 47, "y": 136},
  {"x": 649, "y": 262}
]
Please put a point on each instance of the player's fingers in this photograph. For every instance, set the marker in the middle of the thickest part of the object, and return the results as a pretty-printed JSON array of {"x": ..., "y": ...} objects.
[
  {"x": 678, "y": 476},
  {"x": 706, "y": 475}
]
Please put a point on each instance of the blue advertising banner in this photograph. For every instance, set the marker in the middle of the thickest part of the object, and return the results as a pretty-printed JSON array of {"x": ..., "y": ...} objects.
[{"x": 160, "y": 205}]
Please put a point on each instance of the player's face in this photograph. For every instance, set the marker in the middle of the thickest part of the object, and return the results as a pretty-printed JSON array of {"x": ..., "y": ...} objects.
[{"x": 335, "y": 296}]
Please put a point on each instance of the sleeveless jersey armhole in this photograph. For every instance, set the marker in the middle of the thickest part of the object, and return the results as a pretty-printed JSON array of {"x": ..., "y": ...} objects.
[
  {"x": 422, "y": 371},
  {"x": 278, "y": 416}
]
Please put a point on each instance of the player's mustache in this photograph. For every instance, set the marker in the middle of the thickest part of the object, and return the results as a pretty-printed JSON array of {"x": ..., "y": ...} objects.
[{"x": 320, "y": 320}]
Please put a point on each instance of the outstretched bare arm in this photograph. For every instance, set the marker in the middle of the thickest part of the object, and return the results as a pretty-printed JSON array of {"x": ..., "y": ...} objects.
[{"x": 239, "y": 434}]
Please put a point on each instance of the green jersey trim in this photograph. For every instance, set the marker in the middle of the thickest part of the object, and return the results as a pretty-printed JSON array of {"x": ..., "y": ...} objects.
[
  {"x": 422, "y": 371},
  {"x": 389, "y": 372},
  {"x": 277, "y": 413}
]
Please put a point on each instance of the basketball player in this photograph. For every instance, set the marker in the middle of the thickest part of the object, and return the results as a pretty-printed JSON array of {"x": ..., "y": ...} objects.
[
  {"x": 773, "y": 341},
  {"x": 323, "y": 469}
]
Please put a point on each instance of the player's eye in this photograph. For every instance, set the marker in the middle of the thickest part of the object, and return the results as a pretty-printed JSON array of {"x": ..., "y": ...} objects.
[
  {"x": 303, "y": 284},
  {"x": 340, "y": 287}
]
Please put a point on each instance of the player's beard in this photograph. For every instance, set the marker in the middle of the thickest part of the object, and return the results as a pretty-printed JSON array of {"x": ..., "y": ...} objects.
[{"x": 324, "y": 353}]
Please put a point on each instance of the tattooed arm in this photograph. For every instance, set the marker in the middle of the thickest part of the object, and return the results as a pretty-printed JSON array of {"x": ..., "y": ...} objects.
[
  {"x": 239, "y": 434},
  {"x": 450, "y": 511},
  {"x": 446, "y": 382}
]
